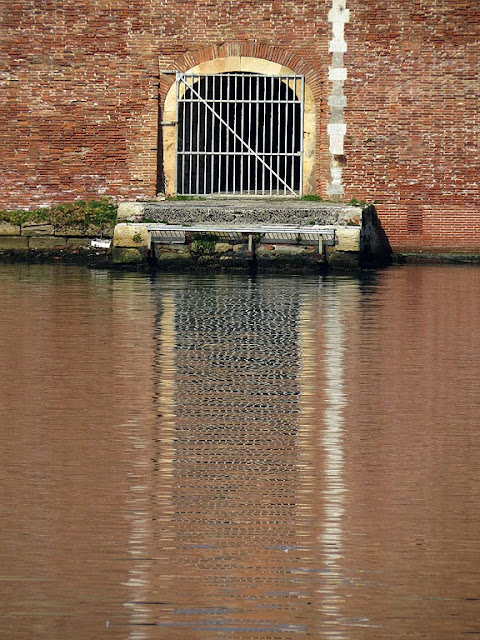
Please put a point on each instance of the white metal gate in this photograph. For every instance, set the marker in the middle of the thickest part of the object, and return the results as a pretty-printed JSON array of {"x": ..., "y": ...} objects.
[{"x": 239, "y": 133}]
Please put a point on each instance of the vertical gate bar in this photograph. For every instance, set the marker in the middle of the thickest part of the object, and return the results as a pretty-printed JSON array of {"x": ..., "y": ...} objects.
[
  {"x": 197, "y": 155},
  {"x": 294, "y": 137},
  {"x": 185, "y": 138},
  {"x": 186, "y": 110},
  {"x": 257, "y": 130},
  {"x": 192, "y": 101},
  {"x": 279, "y": 115},
  {"x": 249, "y": 135},
  {"x": 190, "y": 141},
  {"x": 264, "y": 123},
  {"x": 287, "y": 106},
  {"x": 242, "y": 129},
  {"x": 294, "y": 132},
  {"x": 217, "y": 105},
  {"x": 272, "y": 89},
  {"x": 227, "y": 133},
  {"x": 295, "y": 140},
  {"x": 220, "y": 126},
  {"x": 235, "y": 139},
  {"x": 205, "y": 145},
  {"x": 302, "y": 111},
  {"x": 177, "y": 131},
  {"x": 212, "y": 137}
]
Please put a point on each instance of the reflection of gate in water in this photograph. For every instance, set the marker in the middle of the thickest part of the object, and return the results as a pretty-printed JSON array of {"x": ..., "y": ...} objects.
[
  {"x": 239, "y": 133},
  {"x": 248, "y": 467}
]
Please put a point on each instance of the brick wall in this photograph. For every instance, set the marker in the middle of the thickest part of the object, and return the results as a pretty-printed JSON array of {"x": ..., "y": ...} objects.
[
  {"x": 413, "y": 123},
  {"x": 80, "y": 99}
]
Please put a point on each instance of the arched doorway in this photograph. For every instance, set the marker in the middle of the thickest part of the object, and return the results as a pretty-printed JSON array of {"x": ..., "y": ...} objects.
[
  {"x": 239, "y": 134},
  {"x": 239, "y": 126}
]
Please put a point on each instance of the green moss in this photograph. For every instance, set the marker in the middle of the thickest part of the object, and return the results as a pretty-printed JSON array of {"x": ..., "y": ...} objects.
[
  {"x": 357, "y": 203},
  {"x": 183, "y": 198},
  {"x": 101, "y": 214},
  {"x": 204, "y": 243},
  {"x": 20, "y": 217},
  {"x": 312, "y": 198},
  {"x": 127, "y": 256}
]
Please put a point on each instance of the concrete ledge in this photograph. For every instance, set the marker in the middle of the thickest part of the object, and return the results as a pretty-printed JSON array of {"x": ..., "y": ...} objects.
[{"x": 436, "y": 257}]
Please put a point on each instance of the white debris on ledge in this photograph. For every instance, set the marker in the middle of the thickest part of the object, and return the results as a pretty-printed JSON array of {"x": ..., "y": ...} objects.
[{"x": 100, "y": 243}]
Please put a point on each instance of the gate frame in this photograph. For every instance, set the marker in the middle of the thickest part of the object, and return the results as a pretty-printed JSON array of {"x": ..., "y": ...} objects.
[
  {"x": 239, "y": 64},
  {"x": 188, "y": 82}
]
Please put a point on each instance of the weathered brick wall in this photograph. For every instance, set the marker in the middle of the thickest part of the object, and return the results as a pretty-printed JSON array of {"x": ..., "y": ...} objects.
[
  {"x": 71, "y": 91},
  {"x": 413, "y": 119},
  {"x": 80, "y": 83},
  {"x": 80, "y": 101}
]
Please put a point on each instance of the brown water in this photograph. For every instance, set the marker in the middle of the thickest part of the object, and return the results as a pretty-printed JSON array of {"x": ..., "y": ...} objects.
[{"x": 215, "y": 457}]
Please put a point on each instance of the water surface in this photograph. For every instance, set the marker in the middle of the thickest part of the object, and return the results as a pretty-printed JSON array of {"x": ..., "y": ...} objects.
[{"x": 200, "y": 457}]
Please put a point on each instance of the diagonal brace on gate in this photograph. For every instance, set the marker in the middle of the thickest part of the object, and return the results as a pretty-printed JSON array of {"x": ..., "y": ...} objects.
[{"x": 181, "y": 77}]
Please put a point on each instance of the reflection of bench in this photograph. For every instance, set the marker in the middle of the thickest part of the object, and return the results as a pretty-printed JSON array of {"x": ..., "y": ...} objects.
[{"x": 316, "y": 235}]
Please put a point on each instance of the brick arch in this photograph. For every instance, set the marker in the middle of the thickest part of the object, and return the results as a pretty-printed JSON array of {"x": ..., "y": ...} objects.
[
  {"x": 248, "y": 57},
  {"x": 237, "y": 48}
]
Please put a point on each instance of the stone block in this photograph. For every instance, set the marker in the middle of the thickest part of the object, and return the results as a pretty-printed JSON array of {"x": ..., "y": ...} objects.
[
  {"x": 129, "y": 210},
  {"x": 337, "y": 100},
  {"x": 7, "y": 229},
  {"x": 78, "y": 242},
  {"x": 347, "y": 238},
  {"x": 131, "y": 235},
  {"x": 259, "y": 65},
  {"x": 171, "y": 255},
  {"x": 282, "y": 250},
  {"x": 344, "y": 260},
  {"x": 337, "y": 129},
  {"x": 337, "y": 46},
  {"x": 30, "y": 229},
  {"x": 222, "y": 247},
  {"x": 127, "y": 256},
  {"x": 13, "y": 242},
  {"x": 339, "y": 75},
  {"x": 240, "y": 248},
  {"x": 46, "y": 242},
  {"x": 339, "y": 14},
  {"x": 336, "y": 146},
  {"x": 71, "y": 231}
]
